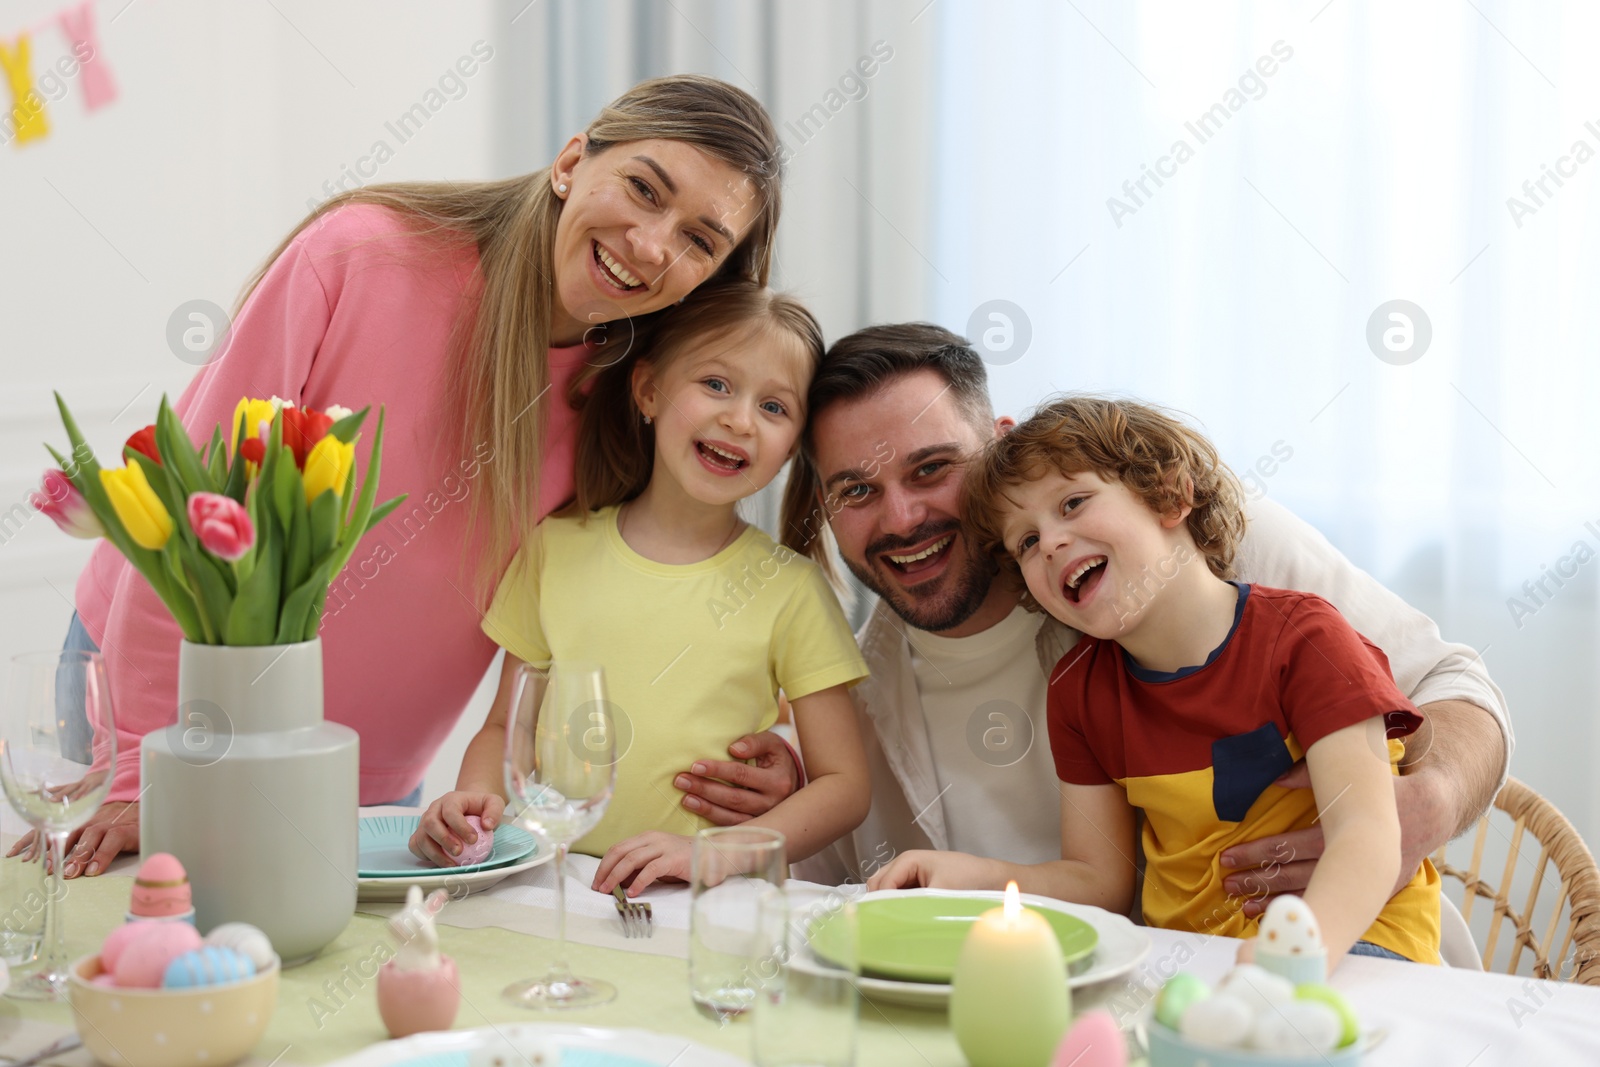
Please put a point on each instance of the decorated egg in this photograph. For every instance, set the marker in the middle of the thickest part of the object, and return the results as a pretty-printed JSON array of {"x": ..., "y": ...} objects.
[
  {"x": 206, "y": 966},
  {"x": 1257, "y": 987},
  {"x": 1301, "y": 1028},
  {"x": 1288, "y": 929},
  {"x": 1092, "y": 1041},
  {"x": 161, "y": 889},
  {"x": 1349, "y": 1025},
  {"x": 143, "y": 961},
  {"x": 1221, "y": 1021},
  {"x": 246, "y": 940},
  {"x": 1180, "y": 991},
  {"x": 116, "y": 940},
  {"x": 479, "y": 850}
]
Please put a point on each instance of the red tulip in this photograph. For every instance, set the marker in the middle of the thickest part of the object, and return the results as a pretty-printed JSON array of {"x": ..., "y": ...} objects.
[
  {"x": 302, "y": 429},
  {"x": 253, "y": 450},
  {"x": 144, "y": 442},
  {"x": 222, "y": 525},
  {"x": 66, "y": 507}
]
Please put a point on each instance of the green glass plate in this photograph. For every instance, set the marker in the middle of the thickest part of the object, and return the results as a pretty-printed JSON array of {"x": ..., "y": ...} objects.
[{"x": 917, "y": 938}]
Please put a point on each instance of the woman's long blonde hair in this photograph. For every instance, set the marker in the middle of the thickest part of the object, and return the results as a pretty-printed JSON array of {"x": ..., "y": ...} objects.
[{"x": 512, "y": 222}]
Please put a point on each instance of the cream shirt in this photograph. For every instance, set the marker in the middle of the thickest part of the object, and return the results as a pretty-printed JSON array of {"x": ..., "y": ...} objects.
[{"x": 983, "y": 698}]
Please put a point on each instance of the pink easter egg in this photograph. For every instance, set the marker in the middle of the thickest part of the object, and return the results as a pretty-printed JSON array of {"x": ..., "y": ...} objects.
[
  {"x": 1092, "y": 1041},
  {"x": 477, "y": 851},
  {"x": 115, "y": 942},
  {"x": 145, "y": 956},
  {"x": 161, "y": 889},
  {"x": 103, "y": 979}
]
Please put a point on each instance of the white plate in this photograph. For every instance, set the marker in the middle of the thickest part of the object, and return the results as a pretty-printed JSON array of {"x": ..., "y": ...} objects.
[
  {"x": 386, "y": 890},
  {"x": 1122, "y": 945},
  {"x": 514, "y": 1044}
]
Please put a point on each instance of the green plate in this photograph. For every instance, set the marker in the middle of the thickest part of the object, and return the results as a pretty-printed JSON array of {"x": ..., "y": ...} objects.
[{"x": 917, "y": 938}]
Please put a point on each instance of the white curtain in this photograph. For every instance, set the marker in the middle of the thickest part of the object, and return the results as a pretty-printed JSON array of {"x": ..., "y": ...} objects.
[{"x": 1313, "y": 162}]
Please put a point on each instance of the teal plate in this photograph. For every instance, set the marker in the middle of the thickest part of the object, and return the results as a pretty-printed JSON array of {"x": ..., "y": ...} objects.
[{"x": 384, "y": 852}]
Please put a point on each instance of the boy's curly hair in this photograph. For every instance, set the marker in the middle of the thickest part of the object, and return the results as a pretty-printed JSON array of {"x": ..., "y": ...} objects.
[{"x": 1166, "y": 463}]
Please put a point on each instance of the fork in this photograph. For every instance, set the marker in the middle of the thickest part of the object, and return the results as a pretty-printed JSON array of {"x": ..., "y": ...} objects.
[{"x": 636, "y": 917}]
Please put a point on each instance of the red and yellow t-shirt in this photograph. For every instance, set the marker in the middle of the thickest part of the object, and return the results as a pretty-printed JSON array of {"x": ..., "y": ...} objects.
[{"x": 1199, "y": 749}]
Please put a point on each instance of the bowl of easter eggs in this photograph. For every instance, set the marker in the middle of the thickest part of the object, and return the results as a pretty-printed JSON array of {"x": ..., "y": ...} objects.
[
  {"x": 157, "y": 994},
  {"x": 1276, "y": 1012}
]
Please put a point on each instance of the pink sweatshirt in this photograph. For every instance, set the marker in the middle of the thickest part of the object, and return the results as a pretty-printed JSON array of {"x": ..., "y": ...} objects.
[{"x": 354, "y": 312}]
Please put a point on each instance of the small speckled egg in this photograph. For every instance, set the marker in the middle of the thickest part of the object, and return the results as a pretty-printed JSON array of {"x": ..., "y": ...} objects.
[
  {"x": 1257, "y": 987},
  {"x": 1092, "y": 1041},
  {"x": 207, "y": 966},
  {"x": 1180, "y": 991},
  {"x": 246, "y": 940},
  {"x": 145, "y": 955},
  {"x": 1349, "y": 1024},
  {"x": 1289, "y": 929},
  {"x": 1301, "y": 1028},
  {"x": 1221, "y": 1021}
]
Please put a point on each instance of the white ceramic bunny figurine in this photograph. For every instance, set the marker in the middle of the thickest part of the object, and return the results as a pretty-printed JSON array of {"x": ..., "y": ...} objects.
[
  {"x": 415, "y": 935},
  {"x": 419, "y": 989}
]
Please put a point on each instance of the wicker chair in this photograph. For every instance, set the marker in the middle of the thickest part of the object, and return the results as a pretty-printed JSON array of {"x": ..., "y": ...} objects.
[{"x": 1577, "y": 955}]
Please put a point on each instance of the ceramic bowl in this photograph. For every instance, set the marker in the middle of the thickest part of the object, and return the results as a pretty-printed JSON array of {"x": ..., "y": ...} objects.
[
  {"x": 1168, "y": 1048},
  {"x": 213, "y": 1025}
]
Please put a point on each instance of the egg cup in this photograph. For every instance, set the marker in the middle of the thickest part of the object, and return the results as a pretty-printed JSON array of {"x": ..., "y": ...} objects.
[
  {"x": 1300, "y": 968},
  {"x": 181, "y": 917}
]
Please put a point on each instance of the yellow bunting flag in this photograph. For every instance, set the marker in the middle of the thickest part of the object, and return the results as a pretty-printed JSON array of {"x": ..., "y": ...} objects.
[{"x": 26, "y": 121}]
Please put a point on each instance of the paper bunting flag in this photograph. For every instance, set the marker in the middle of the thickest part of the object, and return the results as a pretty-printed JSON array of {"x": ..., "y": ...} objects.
[
  {"x": 99, "y": 88},
  {"x": 27, "y": 119}
]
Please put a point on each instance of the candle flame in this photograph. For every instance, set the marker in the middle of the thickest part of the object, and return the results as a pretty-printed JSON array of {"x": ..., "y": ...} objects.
[{"x": 1013, "y": 904}]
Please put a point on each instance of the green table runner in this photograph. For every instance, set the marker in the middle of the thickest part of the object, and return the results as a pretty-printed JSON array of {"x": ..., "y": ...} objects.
[{"x": 328, "y": 1008}]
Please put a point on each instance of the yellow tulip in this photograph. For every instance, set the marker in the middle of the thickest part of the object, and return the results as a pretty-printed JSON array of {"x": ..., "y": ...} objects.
[
  {"x": 255, "y": 412},
  {"x": 327, "y": 466},
  {"x": 137, "y": 505}
]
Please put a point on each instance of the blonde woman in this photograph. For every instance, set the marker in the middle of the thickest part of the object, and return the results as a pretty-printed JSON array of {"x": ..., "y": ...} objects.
[{"x": 472, "y": 311}]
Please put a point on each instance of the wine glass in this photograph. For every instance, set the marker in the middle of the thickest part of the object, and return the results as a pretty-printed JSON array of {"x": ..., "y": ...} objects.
[
  {"x": 49, "y": 783},
  {"x": 561, "y": 765}
]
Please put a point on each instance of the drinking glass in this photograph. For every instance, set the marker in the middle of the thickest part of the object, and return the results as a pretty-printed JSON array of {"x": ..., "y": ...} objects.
[
  {"x": 729, "y": 868},
  {"x": 52, "y": 783},
  {"x": 561, "y": 765},
  {"x": 806, "y": 966}
]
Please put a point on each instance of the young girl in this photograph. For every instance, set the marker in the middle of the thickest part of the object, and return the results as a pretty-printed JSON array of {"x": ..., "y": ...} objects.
[{"x": 698, "y": 618}]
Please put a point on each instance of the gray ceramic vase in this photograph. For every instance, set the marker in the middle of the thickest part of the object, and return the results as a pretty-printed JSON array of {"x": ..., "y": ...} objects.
[{"x": 256, "y": 795}]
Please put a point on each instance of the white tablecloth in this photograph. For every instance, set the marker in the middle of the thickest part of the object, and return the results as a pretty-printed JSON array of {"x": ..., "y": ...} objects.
[{"x": 1433, "y": 1016}]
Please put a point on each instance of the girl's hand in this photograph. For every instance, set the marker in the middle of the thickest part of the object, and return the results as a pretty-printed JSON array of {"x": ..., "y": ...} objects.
[
  {"x": 444, "y": 830},
  {"x": 646, "y": 859},
  {"x": 1247, "y": 952},
  {"x": 936, "y": 870}
]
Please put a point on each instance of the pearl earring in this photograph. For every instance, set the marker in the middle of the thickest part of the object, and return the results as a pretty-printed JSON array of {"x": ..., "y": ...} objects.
[{"x": 561, "y": 188}]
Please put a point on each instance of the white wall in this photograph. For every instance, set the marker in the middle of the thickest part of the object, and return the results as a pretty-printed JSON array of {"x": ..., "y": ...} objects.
[{"x": 231, "y": 117}]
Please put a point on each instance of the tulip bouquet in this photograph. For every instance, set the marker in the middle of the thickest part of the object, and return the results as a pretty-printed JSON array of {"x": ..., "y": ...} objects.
[{"x": 240, "y": 539}]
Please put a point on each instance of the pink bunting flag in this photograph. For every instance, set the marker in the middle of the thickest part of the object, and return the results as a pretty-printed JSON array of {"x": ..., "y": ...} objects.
[{"x": 99, "y": 87}]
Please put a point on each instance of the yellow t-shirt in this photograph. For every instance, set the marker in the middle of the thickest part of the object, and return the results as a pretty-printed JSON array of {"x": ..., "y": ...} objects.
[{"x": 694, "y": 654}]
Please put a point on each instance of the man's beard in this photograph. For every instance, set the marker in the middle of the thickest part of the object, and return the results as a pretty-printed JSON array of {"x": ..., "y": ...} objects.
[{"x": 964, "y": 586}]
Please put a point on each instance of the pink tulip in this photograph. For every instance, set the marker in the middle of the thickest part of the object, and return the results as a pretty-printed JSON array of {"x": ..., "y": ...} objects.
[
  {"x": 66, "y": 507},
  {"x": 222, "y": 525}
]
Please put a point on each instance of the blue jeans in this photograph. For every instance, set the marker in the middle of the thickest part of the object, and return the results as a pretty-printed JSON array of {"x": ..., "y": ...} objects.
[
  {"x": 1367, "y": 948},
  {"x": 78, "y": 735}
]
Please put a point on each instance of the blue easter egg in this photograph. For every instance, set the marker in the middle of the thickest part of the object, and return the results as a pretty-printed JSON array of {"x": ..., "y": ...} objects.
[{"x": 207, "y": 966}]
